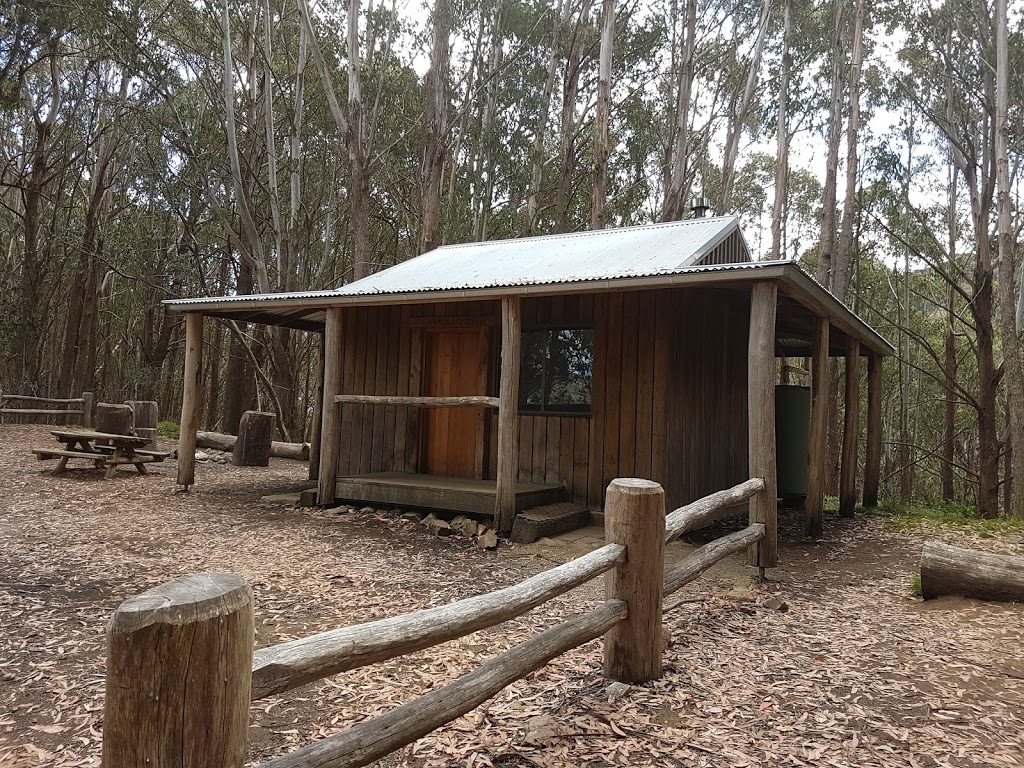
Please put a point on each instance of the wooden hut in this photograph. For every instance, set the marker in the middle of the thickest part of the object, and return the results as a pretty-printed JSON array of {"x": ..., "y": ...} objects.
[{"x": 490, "y": 377}]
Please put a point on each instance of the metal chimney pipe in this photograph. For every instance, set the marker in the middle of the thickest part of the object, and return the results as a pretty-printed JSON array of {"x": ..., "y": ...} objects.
[{"x": 699, "y": 206}]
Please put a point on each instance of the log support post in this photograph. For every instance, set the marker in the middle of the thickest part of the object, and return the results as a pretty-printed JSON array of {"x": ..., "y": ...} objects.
[
  {"x": 817, "y": 441},
  {"x": 315, "y": 429},
  {"x": 330, "y": 428},
  {"x": 179, "y": 675},
  {"x": 634, "y": 512},
  {"x": 508, "y": 415},
  {"x": 851, "y": 430},
  {"x": 761, "y": 420},
  {"x": 873, "y": 449},
  {"x": 190, "y": 399},
  {"x": 88, "y": 398}
]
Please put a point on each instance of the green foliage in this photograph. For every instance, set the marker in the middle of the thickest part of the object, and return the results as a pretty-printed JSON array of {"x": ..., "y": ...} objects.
[
  {"x": 954, "y": 516},
  {"x": 915, "y": 584},
  {"x": 168, "y": 429}
]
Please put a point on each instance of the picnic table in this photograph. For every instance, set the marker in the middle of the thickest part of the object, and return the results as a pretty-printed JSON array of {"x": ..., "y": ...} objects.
[{"x": 106, "y": 451}]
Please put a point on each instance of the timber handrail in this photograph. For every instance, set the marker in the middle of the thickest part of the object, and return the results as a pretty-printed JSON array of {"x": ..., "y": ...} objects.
[
  {"x": 372, "y": 739},
  {"x": 49, "y": 400},
  {"x": 703, "y": 511},
  {"x": 481, "y": 401},
  {"x": 147, "y": 653},
  {"x": 85, "y": 403},
  {"x": 697, "y": 562},
  {"x": 288, "y": 665}
]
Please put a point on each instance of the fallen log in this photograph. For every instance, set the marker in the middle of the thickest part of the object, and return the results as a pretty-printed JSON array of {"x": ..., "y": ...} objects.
[
  {"x": 948, "y": 570},
  {"x": 221, "y": 442}
]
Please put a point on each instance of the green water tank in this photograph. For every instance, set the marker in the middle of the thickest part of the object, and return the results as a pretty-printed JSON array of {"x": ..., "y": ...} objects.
[{"x": 792, "y": 419}]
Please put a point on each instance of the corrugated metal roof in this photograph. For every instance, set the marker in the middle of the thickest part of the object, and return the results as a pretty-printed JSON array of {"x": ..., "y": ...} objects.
[{"x": 605, "y": 254}]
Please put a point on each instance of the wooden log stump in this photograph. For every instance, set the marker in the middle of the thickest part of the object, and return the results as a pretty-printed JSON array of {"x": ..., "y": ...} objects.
[
  {"x": 147, "y": 413},
  {"x": 252, "y": 448},
  {"x": 949, "y": 570},
  {"x": 634, "y": 515},
  {"x": 114, "y": 419},
  {"x": 179, "y": 675}
]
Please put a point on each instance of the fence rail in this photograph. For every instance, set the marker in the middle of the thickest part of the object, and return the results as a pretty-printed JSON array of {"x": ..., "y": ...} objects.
[
  {"x": 150, "y": 664},
  {"x": 32, "y": 415}
]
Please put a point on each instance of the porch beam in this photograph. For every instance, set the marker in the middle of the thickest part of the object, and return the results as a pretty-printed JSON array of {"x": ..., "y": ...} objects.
[
  {"x": 817, "y": 439},
  {"x": 761, "y": 419},
  {"x": 851, "y": 432},
  {"x": 508, "y": 415},
  {"x": 190, "y": 397},
  {"x": 422, "y": 402},
  {"x": 873, "y": 449},
  {"x": 330, "y": 427}
]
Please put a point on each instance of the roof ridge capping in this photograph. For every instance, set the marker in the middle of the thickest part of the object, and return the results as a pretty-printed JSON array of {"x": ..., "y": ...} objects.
[{"x": 583, "y": 233}]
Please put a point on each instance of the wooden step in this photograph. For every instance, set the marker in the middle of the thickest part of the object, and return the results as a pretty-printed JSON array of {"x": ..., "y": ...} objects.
[{"x": 549, "y": 520}]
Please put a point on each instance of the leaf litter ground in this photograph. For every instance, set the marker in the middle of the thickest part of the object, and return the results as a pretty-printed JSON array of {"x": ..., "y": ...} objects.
[{"x": 831, "y": 663}]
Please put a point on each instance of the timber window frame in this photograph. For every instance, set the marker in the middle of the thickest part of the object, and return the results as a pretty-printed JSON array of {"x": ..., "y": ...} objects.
[{"x": 556, "y": 370}]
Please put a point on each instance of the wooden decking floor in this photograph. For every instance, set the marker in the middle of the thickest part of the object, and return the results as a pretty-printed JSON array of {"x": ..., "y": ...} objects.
[{"x": 458, "y": 494}]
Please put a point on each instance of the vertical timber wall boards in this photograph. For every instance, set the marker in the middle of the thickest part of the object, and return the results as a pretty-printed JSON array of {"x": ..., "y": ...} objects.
[{"x": 669, "y": 391}]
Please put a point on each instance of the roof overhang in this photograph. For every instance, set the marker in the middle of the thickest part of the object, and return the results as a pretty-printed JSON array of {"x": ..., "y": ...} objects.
[{"x": 305, "y": 310}]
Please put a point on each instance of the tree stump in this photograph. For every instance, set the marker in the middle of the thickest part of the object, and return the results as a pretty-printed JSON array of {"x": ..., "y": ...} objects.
[
  {"x": 948, "y": 570},
  {"x": 114, "y": 419},
  {"x": 179, "y": 675},
  {"x": 146, "y": 416},
  {"x": 252, "y": 448}
]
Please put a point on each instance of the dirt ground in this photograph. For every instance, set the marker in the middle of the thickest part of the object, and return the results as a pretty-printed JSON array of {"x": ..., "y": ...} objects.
[{"x": 832, "y": 663}]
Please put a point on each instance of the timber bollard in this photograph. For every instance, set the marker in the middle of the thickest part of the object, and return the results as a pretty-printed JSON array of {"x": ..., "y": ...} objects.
[
  {"x": 87, "y": 406},
  {"x": 634, "y": 514},
  {"x": 179, "y": 675}
]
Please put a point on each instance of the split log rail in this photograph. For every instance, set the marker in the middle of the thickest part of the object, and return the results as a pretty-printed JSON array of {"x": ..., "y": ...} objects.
[
  {"x": 75, "y": 406},
  {"x": 180, "y": 657}
]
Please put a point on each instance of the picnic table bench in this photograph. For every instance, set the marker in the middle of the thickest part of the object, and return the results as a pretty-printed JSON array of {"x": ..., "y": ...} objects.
[{"x": 112, "y": 452}]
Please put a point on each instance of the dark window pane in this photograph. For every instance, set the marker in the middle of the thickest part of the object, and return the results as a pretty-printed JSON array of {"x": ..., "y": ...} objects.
[
  {"x": 531, "y": 373},
  {"x": 570, "y": 369},
  {"x": 556, "y": 370}
]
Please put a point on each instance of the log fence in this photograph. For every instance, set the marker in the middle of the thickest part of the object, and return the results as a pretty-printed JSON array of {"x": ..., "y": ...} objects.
[
  {"x": 74, "y": 406},
  {"x": 180, "y": 656}
]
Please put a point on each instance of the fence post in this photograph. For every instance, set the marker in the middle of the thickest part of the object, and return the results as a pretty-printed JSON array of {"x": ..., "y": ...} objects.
[
  {"x": 87, "y": 401},
  {"x": 634, "y": 515},
  {"x": 179, "y": 675}
]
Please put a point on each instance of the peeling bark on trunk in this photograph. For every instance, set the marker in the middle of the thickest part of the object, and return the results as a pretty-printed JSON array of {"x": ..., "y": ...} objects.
[
  {"x": 435, "y": 128},
  {"x": 567, "y": 130},
  {"x": 827, "y": 237},
  {"x": 732, "y": 140},
  {"x": 678, "y": 191},
  {"x": 602, "y": 117},
  {"x": 782, "y": 128},
  {"x": 845, "y": 252}
]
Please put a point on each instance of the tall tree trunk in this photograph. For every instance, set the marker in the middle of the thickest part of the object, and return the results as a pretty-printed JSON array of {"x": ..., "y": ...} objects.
[
  {"x": 359, "y": 176},
  {"x": 1007, "y": 271},
  {"x": 782, "y": 128},
  {"x": 484, "y": 181},
  {"x": 732, "y": 139},
  {"x": 537, "y": 152},
  {"x": 567, "y": 126},
  {"x": 827, "y": 237},
  {"x": 949, "y": 363},
  {"x": 251, "y": 241},
  {"x": 602, "y": 117},
  {"x": 435, "y": 125},
  {"x": 678, "y": 191},
  {"x": 845, "y": 252}
]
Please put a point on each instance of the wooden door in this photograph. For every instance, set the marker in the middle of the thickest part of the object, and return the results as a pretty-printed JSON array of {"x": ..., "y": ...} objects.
[{"x": 455, "y": 363}]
